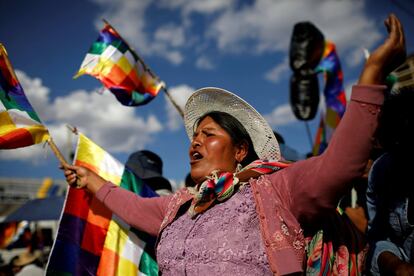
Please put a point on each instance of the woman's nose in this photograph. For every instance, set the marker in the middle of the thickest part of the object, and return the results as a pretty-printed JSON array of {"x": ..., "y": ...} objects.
[{"x": 196, "y": 141}]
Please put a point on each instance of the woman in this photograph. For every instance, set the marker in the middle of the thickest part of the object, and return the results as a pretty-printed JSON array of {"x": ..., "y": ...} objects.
[{"x": 236, "y": 222}]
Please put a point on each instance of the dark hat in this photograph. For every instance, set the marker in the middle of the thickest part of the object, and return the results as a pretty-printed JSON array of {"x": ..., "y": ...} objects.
[{"x": 148, "y": 166}]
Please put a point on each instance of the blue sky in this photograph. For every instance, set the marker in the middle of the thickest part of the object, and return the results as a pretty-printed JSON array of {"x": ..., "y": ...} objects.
[{"x": 241, "y": 46}]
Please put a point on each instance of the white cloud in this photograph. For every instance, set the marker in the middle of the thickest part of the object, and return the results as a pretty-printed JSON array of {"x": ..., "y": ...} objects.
[
  {"x": 180, "y": 94},
  {"x": 204, "y": 63},
  {"x": 238, "y": 27},
  {"x": 277, "y": 72},
  {"x": 37, "y": 94},
  {"x": 281, "y": 115},
  {"x": 170, "y": 34},
  {"x": 266, "y": 25},
  {"x": 175, "y": 57},
  {"x": 201, "y": 7},
  {"x": 168, "y": 40},
  {"x": 105, "y": 120},
  {"x": 100, "y": 117},
  {"x": 207, "y": 7},
  {"x": 35, "y": 154},
  {"x": 130, "y": 19}
]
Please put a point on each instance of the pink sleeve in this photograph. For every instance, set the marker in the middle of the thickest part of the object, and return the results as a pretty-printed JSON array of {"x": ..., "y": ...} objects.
[
  {"x": 145, "y": 214},
  {"x": 317, "y": 184}
]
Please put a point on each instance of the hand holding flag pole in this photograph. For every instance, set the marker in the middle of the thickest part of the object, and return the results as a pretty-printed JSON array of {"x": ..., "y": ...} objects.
[{"x": 111, "y": 241}]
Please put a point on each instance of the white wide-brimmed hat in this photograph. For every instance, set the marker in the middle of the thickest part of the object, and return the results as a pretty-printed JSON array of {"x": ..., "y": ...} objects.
[{"x": 210, "y": 99}]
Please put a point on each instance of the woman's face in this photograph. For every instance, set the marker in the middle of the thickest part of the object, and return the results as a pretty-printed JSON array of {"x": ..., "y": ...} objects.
[{"x": 213, "y": 149}]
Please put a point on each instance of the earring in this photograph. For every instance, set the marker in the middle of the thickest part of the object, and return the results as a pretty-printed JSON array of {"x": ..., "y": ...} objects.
[{"x": 239, "y": 167}]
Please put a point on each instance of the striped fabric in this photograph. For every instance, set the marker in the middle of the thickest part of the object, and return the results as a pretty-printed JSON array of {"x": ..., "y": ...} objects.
[
  {"x": 91, "y": 240},
  {"x": 334, "y": 97},
  {"x": 338, "y": 248},
  {"x": 19, "y": 124},
  {"x": 119, "y": 68}
]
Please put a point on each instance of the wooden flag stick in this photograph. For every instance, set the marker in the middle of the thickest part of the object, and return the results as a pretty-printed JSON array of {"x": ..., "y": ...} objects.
[
  {"x": 73, "y": 129},
  {"x": 173, "y": 102},
  {"x": 56, "y": 151}
]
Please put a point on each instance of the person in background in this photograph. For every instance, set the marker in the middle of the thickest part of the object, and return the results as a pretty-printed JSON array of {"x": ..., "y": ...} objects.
[
  {"x": 148, "y": 166},
  {"x": 28, "y": 264},
  {"x": 24, "y": 239},
  {"x": 249, "y": 212},
  {"x": 390, "y": 193}
]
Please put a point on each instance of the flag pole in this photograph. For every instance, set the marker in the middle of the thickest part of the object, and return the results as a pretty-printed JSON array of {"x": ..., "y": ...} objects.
[
  {"x": 73, "y": 129},
  {"x": 309, "y": 135},
  {"x": 146, "y": 68},
  {"x": 56, "y": 151},
  {"x": 173, "y": 102}
]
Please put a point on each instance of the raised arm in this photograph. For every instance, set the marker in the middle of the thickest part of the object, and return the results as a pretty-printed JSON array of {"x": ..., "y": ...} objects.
[
  {"x": 318, "y": 183},
  {"x": 145, "y": 214},
  {"x": 387, "y": 56}
]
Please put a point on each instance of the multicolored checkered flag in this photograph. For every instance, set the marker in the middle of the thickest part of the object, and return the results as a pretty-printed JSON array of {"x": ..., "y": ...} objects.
[
  {"x": 335, "y": 98},
  {"x": 20, "y": 126},
  {"x": 91, "y": 240},
  {"x": 120, "y": 69}
]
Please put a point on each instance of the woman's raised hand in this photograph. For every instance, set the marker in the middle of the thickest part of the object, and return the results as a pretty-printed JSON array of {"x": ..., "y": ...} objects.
[{"x": 387, "y": 56}]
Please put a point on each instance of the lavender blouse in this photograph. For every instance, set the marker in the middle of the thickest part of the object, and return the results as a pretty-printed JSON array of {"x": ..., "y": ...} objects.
[{"x": 234, "y": 244}]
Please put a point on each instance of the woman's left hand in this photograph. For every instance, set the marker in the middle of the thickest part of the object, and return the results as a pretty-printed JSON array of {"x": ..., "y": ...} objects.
[{"x": 387, "y": 56}]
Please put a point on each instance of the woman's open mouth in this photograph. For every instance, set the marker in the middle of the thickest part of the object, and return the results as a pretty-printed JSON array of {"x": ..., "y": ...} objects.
[{"x": 195, "y": 156}]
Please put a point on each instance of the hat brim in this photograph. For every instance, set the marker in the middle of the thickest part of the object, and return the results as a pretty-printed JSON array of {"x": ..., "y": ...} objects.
[
  {"x": 157, "y": 183},
  {"x": 210, "y": 99},
  {"x": 141, "y": 172}
]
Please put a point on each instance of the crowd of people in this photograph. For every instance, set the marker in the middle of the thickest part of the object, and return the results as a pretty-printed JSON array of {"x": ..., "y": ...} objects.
[{"x": 246, "y": 210}]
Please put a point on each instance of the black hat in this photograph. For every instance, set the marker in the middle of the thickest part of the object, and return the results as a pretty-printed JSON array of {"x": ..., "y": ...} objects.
[{"x": 148, "y": 166}]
